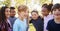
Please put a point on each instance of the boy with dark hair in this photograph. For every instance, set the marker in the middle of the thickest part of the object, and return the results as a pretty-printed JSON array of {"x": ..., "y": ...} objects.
[
  {"x": 54, "y": 24},
  {"x": 12, "y": 17}
]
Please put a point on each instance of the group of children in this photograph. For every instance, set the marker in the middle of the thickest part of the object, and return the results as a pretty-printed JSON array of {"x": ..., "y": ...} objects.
[{"x": 49, "y": 22}]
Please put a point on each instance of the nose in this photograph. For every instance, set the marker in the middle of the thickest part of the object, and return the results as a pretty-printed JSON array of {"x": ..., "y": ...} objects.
[{"x": 57, "y": 10}]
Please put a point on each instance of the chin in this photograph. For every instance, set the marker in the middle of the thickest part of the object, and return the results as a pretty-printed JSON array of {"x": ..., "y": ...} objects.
[{"x": 8, "y": 16}]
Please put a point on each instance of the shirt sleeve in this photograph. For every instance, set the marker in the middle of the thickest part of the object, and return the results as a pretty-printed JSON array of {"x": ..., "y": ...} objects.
[{"x": 15, "y": 27}]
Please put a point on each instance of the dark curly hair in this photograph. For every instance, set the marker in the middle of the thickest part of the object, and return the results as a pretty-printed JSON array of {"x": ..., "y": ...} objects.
[
  {"x": 3, "y": 19},
  {"x": 47, "y": 6}
]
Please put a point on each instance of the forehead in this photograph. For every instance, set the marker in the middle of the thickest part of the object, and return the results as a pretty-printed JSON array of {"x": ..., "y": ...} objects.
[
  {"x": 12, "y": 10},
  {"x": 7, "y": 9},
  {"x": 34, "y": 13},
  {"x": 44, "y": 9}
]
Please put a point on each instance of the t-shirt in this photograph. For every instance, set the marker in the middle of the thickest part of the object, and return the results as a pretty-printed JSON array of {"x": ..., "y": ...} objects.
[
  {"x": 46, "y": 19},
  {"x": 12, "y": 20},
  {"x": 20, "y": 25},
  {"x": 52, "y": 26}
]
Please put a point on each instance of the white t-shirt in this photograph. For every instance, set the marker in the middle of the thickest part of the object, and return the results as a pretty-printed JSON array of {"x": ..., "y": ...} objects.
[{"x": 46, "y": 19}]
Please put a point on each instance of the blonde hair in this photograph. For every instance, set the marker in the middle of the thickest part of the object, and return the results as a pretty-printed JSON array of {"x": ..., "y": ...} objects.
[{"x": 22, "y": 8}]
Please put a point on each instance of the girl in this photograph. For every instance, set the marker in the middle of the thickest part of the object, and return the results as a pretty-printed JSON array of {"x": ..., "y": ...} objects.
[{"x": 4, "y": 24}]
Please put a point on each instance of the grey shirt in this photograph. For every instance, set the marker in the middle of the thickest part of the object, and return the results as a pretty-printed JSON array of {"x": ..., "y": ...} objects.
[{"x": 12, "y": 20}]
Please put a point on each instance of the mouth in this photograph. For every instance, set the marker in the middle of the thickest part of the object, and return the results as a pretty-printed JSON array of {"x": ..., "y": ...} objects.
[{"x": 57, "y": 14}]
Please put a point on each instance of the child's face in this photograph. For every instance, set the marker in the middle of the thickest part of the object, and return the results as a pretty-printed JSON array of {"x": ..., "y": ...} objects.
[
  {"x": 7, "y": 12},
  {"x": 34, "y": 15},
  {"x": 56, "y": 13},
  {"x": 26, "y": 14},
  {"x": 44, "y": 11},
  {"x": 12, "y": 12},
  {"x": 21, "y": 14}
]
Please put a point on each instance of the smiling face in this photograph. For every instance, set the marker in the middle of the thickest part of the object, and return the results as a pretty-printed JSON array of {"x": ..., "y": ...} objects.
[
  {"x": 56, "y": 13},
  {"x": 7, "y": 12},
  {"x": 22, "y": 11},
  {"x": 21, "y": 14},
  {"x": 44, "y": 11},
  {"x": 34, "y": 15},
  {"x": 12, "y": 12},
  {"x": 26, "y": 14}
]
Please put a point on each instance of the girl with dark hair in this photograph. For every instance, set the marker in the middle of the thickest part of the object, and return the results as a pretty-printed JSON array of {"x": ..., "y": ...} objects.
[
  {"x": 46, "y": 9},
  {"x": 4, "y": 22}
]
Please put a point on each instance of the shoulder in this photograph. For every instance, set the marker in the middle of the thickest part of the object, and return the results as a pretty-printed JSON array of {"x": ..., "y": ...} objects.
[
  {"x": 40, "y": 18},
  {"x": 51, "y": 21},
  {"x": 16, "y": 21},
  {"x": 15, "y": 17},
  {"x": 9, "y": 18}
]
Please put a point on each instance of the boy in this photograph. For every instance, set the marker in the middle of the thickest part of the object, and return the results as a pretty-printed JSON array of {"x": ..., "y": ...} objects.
[
  {"x": 12, "y": 17},
  {"x": 21, "y": 22},
  {"x": 54, "y": 24}
]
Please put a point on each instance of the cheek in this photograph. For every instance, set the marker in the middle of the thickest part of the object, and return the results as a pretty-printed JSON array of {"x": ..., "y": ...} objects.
[
  {"x": 26, "y": 14},
  {"x": 57, "y": 15},
  {"x": 43, "y": 13},
  {"x": 34, "y": 16},
  {"x": 13, "y": 13},
  {"x": 22, "y": 14},
  {"x": 7, "y": 14}
]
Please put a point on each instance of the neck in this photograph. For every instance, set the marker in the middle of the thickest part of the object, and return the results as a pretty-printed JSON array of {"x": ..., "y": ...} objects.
[
  {"x": 21, "y": 18},
  {"x": 57, "y": 20}
]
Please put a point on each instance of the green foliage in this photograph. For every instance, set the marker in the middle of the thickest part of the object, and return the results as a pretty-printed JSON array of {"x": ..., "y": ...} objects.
[
  {"x": 43, "y": 1},
  {"x": 6, "y": 2}
]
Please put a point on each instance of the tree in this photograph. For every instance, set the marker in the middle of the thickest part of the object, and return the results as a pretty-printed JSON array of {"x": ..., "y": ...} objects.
[
  {"x": 6, "y": 2},
  {"x": 45, "y": 1}
]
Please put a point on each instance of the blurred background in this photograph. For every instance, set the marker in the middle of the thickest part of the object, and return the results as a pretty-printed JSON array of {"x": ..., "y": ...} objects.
[{"x": 32, "y": 4}]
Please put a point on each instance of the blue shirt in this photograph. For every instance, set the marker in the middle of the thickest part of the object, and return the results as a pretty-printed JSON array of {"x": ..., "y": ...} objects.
[
  {"x": 52, "y": 26},
  {"x": 20, "y": 25},
  {"x": 12, "y": 20}
]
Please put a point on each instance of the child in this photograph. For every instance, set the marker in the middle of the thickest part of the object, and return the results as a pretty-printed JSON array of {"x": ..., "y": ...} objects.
[
  {"x": 46, "y": 9},
  {"x": 4, "y": 22},
  {"x": 36, "y": 21},
  {"x": 12, "y": 17},
  {"x": 21, "y": 22},
  {"x": 54, "y": 24}
]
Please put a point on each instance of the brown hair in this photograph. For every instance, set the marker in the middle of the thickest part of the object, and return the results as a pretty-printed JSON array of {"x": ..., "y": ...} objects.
[
  {"x": 34, "y": 11},
  {"x": 47, "y": 6},
  {"x": 22, "y": 8},
  {"x": 3, "y": 19},
  {"x": 56, "y": 6}
]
